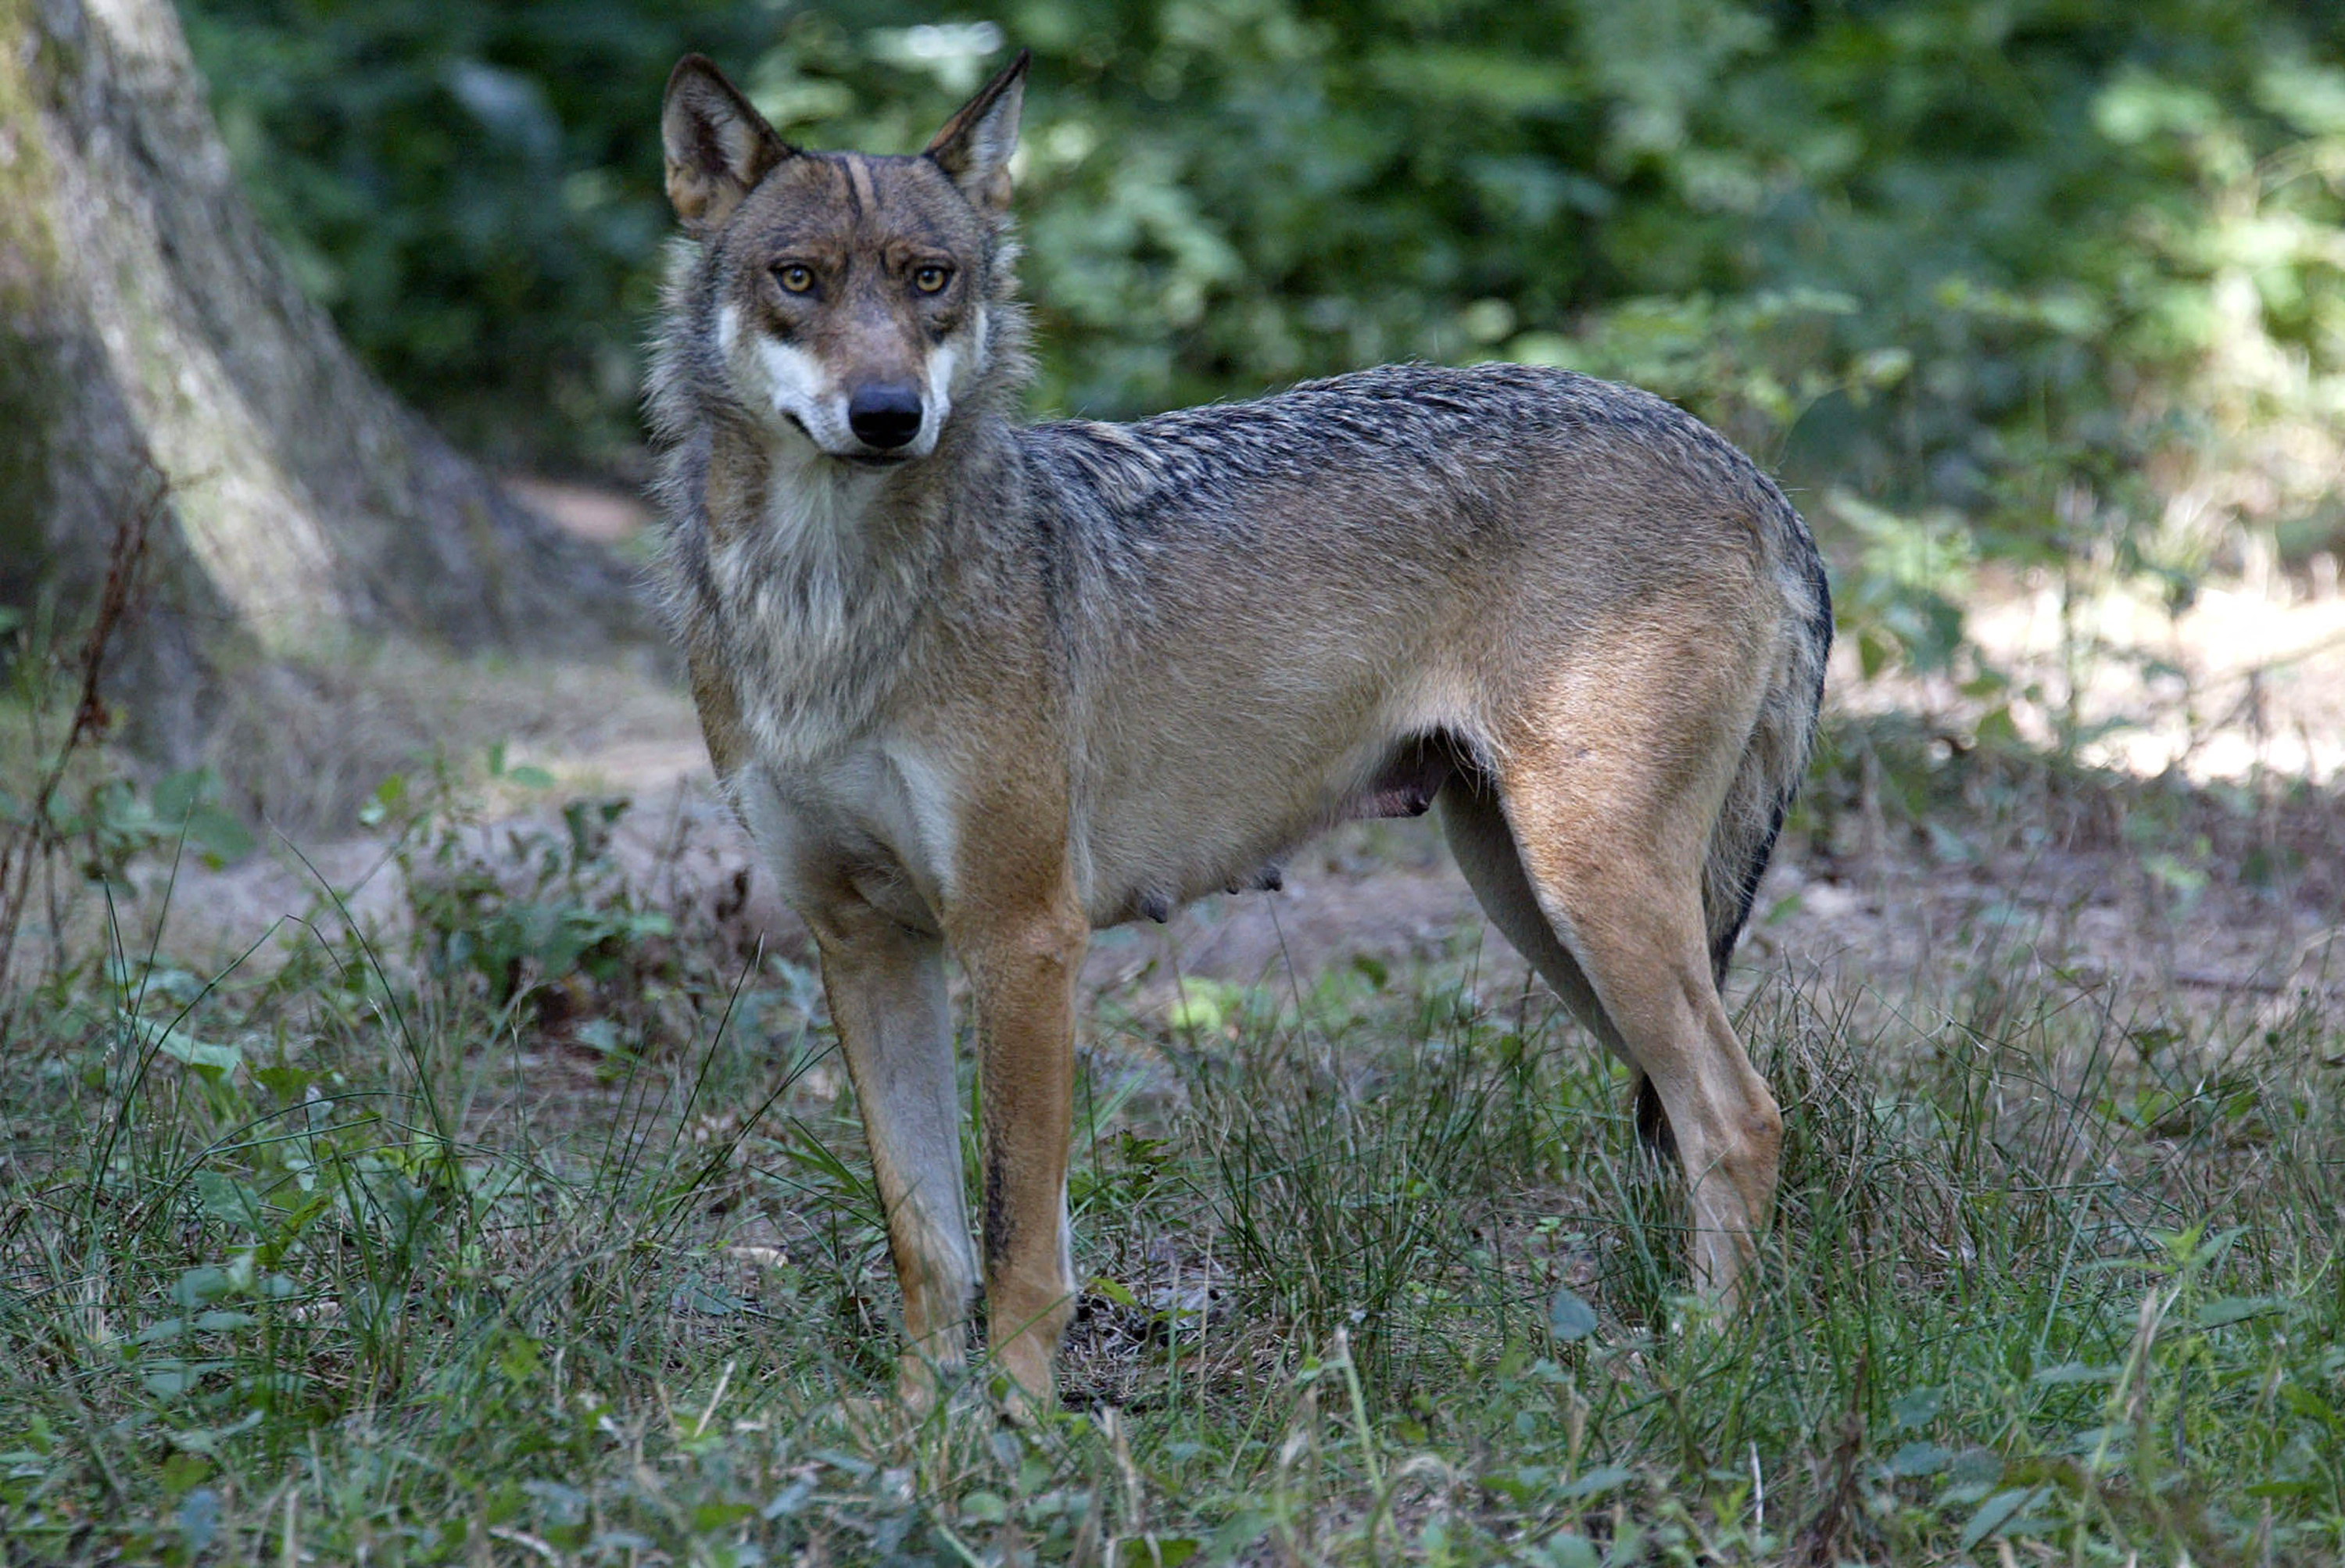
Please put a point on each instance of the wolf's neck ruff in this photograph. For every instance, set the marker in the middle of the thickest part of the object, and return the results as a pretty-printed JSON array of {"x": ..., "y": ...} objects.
[
  {"x": 825, "y": 614},
  {"x": 832, "y": 571}
]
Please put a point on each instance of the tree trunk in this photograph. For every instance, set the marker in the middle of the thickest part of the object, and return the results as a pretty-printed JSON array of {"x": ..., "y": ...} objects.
[{"x": 151, "y": 339}]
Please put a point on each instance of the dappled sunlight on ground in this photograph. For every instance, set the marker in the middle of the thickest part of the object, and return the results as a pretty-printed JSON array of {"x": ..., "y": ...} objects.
[{"x": 2246, "y": 678}]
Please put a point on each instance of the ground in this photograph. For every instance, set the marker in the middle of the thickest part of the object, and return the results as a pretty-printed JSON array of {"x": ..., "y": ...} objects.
[{"x": 506, "y": 1202}]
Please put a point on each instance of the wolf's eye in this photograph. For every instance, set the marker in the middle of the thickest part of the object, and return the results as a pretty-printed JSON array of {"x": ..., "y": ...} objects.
[
  {"x": 794, "y": 279},
  {"x": 928, "y": 280}
]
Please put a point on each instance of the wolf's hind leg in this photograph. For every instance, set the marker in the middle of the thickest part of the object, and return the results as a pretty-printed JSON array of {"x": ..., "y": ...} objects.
[
  {"x": 1486, "y": 853},
  {"x": 1612, "y": 852},
  {"x": 886, "y": 988}
]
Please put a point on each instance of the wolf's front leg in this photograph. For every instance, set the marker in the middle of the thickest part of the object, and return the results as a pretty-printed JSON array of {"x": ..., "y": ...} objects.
[
  {"x": 1022, "y": 968},
  {"x": 886, "y": 989}
]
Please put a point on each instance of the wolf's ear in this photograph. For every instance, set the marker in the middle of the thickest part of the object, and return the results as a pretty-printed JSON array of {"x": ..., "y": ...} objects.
[
  {"x": 717, "y": 146},
  {"x": 975, "y": 145}
]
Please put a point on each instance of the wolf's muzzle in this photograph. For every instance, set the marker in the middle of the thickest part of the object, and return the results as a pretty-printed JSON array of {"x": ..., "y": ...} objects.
[{"x": 885, "y": 414}]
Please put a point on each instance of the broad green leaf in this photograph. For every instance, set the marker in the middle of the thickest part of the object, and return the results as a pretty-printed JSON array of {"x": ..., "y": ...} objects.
[
  {"x": 1569, "y": 1549},
  {"x": 2238, "y": 1309},
  {"x": 1120, "y": 1295},
  {"x": 1916, "y": 1407},
  {"x": 1919, "y": 1459},
  {"x": 221, "y": 838},
  {"x": 1996, "y": 1512},
  {"x": 1568, "y": 1316},
  {"x": 197, "y": 1286},
  {"x": 226, "y": 1198},
  {"x": 287, "y": 1083},
  {"x": 1597, "y": 1482},
  {"x": 210, "y": 1058}
]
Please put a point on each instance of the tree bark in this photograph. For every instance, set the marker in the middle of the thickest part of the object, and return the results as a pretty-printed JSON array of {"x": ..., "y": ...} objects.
[{"x": 150, "y": 337}]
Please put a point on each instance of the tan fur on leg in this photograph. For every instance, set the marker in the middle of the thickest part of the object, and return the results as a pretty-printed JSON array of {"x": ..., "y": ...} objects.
[
  {"x": 1640, "y": 938},
  {"x": 1612, "y": 831}
]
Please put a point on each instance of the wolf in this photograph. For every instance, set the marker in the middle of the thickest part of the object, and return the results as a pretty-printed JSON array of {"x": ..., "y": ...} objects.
[{"x": 985, "y": 687}]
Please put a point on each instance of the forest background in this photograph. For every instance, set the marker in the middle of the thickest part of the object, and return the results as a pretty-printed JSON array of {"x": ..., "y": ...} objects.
[
  {"x": 2047, "y": 285},
  {"x": 422, "y": 1138}
]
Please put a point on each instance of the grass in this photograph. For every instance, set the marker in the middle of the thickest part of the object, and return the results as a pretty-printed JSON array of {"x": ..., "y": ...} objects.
[{"x": 544, "y": 1235}]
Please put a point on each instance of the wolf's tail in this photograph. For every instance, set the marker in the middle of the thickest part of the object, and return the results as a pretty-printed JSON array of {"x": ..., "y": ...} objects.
[{"x": 1777, "y": 755}]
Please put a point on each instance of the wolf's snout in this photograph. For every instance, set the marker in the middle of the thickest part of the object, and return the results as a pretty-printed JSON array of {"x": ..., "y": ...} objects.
[{"x": 883, "y": 414}]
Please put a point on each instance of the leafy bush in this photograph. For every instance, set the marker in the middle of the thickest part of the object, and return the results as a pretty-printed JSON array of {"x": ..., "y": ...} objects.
[{"x": 2064, "y": 273}]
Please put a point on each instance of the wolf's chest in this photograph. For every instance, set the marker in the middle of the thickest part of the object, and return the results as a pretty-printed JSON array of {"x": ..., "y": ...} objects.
[{"x": 874, "y": 816}]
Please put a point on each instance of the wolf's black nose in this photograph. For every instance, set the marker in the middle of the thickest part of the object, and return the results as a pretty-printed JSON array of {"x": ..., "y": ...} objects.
[{"x": 885, "y": 414}]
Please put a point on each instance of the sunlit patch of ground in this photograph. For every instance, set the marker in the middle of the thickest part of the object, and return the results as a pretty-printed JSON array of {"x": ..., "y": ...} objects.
[
  {"x": 594, "y": 512},
  {"x": 2247, "y": 679}
]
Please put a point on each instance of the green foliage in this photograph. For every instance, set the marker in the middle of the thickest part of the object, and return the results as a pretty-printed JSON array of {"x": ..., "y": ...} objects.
[
  {"x": 473, "y": 191},
  {"x": 2043, "y": 267},
  {"x": 1328, "y": 1190},
  {"x": 110, "y": 822}
]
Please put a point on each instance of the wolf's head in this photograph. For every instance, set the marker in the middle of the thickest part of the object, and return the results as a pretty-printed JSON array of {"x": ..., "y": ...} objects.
[{"x": 850, "y": 298}]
